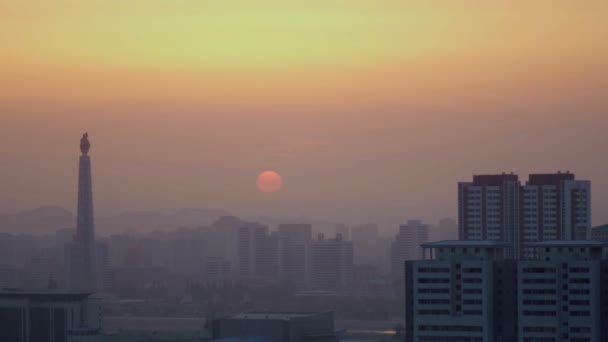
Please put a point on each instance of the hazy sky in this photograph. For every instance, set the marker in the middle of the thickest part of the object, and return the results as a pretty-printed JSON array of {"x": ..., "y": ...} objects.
[{"x": 368, "y": 109}]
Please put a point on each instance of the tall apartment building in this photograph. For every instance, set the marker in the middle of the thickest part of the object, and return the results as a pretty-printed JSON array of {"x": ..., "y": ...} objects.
[
  {"x": 331, "y": 264},
  {"x": 452, "y": 297},
  {"x": 554, "y": 207},
  {"x": 294, "y": 252},
  {"x": 406, "y": 246},
  {"x": 547, "y": 207},
  {"x": 469, "y": 292}
]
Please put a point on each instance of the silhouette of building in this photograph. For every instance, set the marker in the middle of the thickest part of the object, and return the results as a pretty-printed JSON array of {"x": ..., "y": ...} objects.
[
  {"x": 331, "y": 262},
  {"x": 548, "y": 207},
  {"x": 84, "y": 271},
  {"x": 343, "y": 230},
  {"x": 600, "y": 233},
  {"x": 257, "y": 252},
  {"x": 294, "y": 254},
  {"x": 406, "y": 246},
  {"x": 49, "y": 316},
  {"x": 278, "y": 326}
]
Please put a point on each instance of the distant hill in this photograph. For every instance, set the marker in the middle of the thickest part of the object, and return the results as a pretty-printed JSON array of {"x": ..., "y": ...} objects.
[
  {"x": 39, "y": 221},
  {"x": 147, "y": 221},
  {"x": 49, "y": 220}
]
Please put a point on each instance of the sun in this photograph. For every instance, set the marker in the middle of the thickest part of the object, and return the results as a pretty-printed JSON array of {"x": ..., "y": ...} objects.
[{"x": 269, "y": 181}]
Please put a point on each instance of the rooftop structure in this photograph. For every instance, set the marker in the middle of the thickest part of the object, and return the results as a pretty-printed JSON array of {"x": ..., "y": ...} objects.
[{"x": 278, "y": 326}]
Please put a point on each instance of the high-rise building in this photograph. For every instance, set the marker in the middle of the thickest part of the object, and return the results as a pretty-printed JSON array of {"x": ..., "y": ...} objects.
[
  {"x": 406, "y": 246},
  {"x": 452, "y": 297},
  {"x": 293, "y": 243},
  {"x": 83, "y": 271},
  {"x": 331, "y": 263},
  {"x": 488, "y": 208},
  {"x": 554, "y": 207},
  {"x": 470, "y": 292},
  {"x": 370, "y": 249},
  {"x": 257, "y": 252},
  {"x": 547, "y": 207},
  {"x": 562, "y": 293}
]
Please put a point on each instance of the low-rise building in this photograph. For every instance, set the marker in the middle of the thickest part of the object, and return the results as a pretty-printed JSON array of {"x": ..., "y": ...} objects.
[
  {"x": 49, "y": 316},
  {"x": 277, "y": 326}
]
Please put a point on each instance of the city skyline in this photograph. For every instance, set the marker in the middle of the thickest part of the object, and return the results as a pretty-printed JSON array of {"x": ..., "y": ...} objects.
[{"x": 368, "y": 110}]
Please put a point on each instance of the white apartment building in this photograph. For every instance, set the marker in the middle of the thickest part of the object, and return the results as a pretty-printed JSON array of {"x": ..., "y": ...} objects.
[
  {"x": 555, "y": 207},
  {"x": 560, "y": 293},
  {"x": 548, "y": 207},
  {"x": 468, "y": 292},
  {"x": 452, "y": 297}
]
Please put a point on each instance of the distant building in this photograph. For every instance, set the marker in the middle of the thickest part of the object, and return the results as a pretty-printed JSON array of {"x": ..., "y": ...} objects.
[
  {"x": 277, "y": 327},
  {"x": 364, "y": 233},
  {"x": 344, "y": 230},
  {"x": 548, "y": 207},
  {"x": 257, "y": 252},
  {"x": 370, "y": 249},
  {"x": 217, "y": 269},
  {"x": 600, "y": 233},
  {"x": 331, "y": 262},
  {"x": 49, "y": 316},
  {"x": 294, "y": 255},
  {"x": 406, "y": 246}
]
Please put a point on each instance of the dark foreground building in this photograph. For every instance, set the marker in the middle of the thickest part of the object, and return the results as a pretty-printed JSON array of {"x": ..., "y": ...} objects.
[
  {"x": 278, "y": 327},
  {"x": 48, "y": 316}
]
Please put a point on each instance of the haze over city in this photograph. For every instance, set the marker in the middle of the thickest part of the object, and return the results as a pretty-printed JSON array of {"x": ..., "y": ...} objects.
[
  {"x": 303, "y": 171},
  {"x": 369, "y": 110}
]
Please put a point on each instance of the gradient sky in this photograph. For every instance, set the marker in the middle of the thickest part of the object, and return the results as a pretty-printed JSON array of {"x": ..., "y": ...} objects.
[{"x": 369, "y": 109}]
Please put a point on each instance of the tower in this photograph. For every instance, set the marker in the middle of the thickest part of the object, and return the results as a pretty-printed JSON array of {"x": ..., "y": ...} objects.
[{"x": 81, "y": 263}]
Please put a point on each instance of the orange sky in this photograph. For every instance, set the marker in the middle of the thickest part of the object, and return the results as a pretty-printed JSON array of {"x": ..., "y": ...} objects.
[{"x": 368, "y": 109}]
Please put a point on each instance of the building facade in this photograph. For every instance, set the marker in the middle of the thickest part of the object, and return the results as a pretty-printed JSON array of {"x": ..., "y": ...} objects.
[
  {"x": 406, "y": 246},
  {"x": 560, "y": 292},
  {"x": 49, "y": 316},
  {"x": 257, "y": 252},
  {"x": 468, "y": 291},
  {"x": 547, "y": 207},
  {"x": 278, "y": 327},
  {"x": 452, "y": 297},
  {"x": 331, "y": 264},
  {"x": 294, "y": 255}
]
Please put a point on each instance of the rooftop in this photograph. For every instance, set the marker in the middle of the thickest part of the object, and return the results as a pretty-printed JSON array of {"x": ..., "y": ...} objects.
[
  {"x": 45, "y": 294},
  {"x": 286, "y": 316},
  {"x": 569, "y": 243},
  {"x": 466, "y": 243}
]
